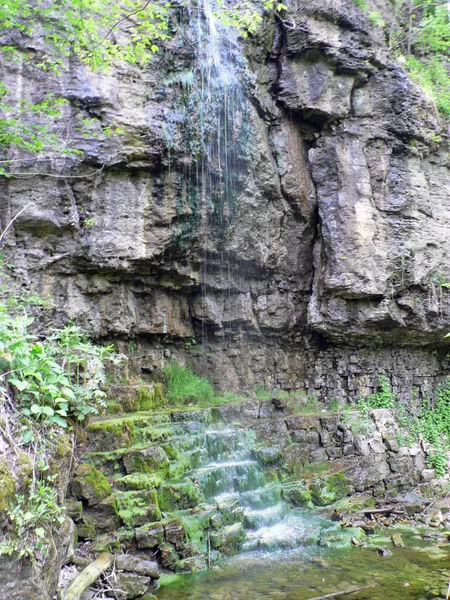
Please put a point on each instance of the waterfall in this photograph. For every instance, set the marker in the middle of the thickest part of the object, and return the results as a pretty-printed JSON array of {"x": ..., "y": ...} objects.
[{"x": 217, "y": 131}]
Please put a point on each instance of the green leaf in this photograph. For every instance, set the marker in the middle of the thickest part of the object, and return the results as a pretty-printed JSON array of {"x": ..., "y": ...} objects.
[
  {"x": 48, "y": 410},
  {"x": 59, "y": 421},
  {"x": 19, "y": 384},
  {"x": 36, "y": 409},
  {"x": 68, "y": 393},
  {"x": 40, "y": 532},
  {"x": 27, "y": 436}
]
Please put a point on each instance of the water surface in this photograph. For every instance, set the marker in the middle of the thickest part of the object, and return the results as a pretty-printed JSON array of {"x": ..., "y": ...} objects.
[{"x": 418, "y": 571}]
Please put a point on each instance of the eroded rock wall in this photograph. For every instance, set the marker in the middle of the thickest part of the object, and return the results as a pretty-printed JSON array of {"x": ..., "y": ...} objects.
[{"x": 326, "y": 264}]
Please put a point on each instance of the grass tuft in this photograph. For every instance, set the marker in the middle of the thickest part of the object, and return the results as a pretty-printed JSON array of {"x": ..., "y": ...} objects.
[{"x": 183, "y": 386}]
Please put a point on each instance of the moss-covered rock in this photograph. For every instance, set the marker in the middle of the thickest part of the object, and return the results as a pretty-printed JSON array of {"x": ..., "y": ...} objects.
[
  {"x": 138, "y": 507},
  {"x": 299, "y": 495},
  {"x": 150, "y": 535},
  {"x": 139, "y": 481},
  {"x": 179, "y": 496},
  {"x": 89, "y": 484},
  {"x": 324, "y": 492},
  {"x": 86, "y": 531},
  {"x": 151, "y": 459},
  {"x": 7, "y": 485},
  {"x": 228, "y": 539},
  {"x": 268, "y": 454}
]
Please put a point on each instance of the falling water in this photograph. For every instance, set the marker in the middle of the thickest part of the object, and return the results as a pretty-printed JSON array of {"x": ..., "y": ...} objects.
[{"x": 217, "y": 132}]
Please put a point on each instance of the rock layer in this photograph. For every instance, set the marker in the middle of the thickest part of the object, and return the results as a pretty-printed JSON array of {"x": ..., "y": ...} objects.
[{"x": 330, "y": 248}]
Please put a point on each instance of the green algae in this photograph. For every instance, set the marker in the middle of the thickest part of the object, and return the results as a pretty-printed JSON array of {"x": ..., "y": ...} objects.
[
  {"x": 410, "y": 573},
  {"x": 139, "y": 481}
]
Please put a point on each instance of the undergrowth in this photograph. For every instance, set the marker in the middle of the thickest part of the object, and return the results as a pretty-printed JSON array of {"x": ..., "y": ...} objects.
[{"x": 49, "y": 381}]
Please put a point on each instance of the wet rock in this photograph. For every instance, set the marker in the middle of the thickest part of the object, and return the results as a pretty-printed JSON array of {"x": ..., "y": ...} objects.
[{"x": 228, "y": 539}]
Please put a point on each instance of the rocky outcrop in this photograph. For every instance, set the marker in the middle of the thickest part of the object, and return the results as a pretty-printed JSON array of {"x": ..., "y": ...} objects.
[
  {"x": 220, "y": 488},
  {"x": 324, "y": 262}
]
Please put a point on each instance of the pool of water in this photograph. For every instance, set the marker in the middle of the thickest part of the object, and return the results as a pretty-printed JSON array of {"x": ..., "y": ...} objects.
[{"x": 419, "y": 570}]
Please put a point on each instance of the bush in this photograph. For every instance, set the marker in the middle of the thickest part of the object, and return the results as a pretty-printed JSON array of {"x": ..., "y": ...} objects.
[{"x": 183, "y": 386}]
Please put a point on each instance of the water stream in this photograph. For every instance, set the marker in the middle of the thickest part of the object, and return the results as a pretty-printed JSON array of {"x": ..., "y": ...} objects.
[{"x": 416, "y": 572}]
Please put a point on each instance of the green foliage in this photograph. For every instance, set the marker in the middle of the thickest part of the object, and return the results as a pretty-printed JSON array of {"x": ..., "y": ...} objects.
[
  {"x": 424, "y": 38},
  {"x": 438, "y": 461},
  {"x": 183, "y": 386},
  {"x": 384, "y": 398},
  {"x": 362, "y": 4},
  {"x": 49, "y": 380},
  {"x": 245, "y": 16},
  {"x": 432, "y": 74},
  {"x": 98, "y": 31},
  {"x": 33, "y": 518},
  {"x": 376, "y": 19}
]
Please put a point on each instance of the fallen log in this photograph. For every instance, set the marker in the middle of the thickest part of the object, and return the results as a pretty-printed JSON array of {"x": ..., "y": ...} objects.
[
  {"x": 383, "y": 511},
  {"x": 86, "y": 577},
  {"x": 342, "y": 593}
]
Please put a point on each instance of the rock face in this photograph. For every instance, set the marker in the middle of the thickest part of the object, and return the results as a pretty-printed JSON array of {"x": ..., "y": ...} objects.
[{"x": 299, "y": 234}]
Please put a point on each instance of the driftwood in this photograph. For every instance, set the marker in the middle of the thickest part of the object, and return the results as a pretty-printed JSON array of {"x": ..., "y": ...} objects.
[
  {"x": 383, "y": 511},
  {"x": 343, "y": 593},
  {"x": 87, "y": 577}
]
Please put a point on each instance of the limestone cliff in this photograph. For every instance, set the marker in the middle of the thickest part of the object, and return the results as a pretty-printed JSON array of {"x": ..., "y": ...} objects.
[{"x": 324, "y": 265}]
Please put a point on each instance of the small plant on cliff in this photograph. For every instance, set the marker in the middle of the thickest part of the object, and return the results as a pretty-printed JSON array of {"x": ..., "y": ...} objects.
[
  {"x": 33, "y": 517},
  {"x": 50, "y": 379},
  {"x": 384, "y": 398},
  {"x": 438, "y": 460},
  {"x": 184, "y": 387}
]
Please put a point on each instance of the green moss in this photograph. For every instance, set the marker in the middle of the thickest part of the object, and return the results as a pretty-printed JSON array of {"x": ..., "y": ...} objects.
[
  {"x": 138, "y": 507},
  {"x": 90, "y": 484},
  {"x": 149, "y": 399},
  {"x": 328, "y": 491},
  {"x": 139, "y": 481},
  {"x": 7, "y": 485},
  {"x": 85, "y": 531},
  {"x": 196, "y": 530},
  {"x": 299, "y": 494},
  {"x": 268, "y": 454},
  {"x": 179, "y": 496}
]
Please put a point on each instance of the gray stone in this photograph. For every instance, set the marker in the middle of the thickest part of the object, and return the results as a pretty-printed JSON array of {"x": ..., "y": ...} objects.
[
  {"x": 428, "y": 474},
  {"x": 137, "y": 564},
  {"x": 130, "y": 585},
  {"x": 370, "y": 470},
  {"x": 361, "y": 445}
]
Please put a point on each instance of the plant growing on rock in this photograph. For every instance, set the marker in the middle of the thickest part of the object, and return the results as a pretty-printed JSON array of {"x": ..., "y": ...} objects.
[
  {"x": 47, "y": 384},
  {"x": 183, "y": 386}
]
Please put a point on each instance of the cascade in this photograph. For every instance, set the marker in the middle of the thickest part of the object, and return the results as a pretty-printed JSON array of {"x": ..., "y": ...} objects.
[{"x": 189, "y": 487}]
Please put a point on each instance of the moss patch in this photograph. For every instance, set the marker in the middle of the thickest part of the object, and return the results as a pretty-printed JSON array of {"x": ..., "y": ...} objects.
[
  {"x": 90, "y": 484},
  {"x": 324, "y": 492}
]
